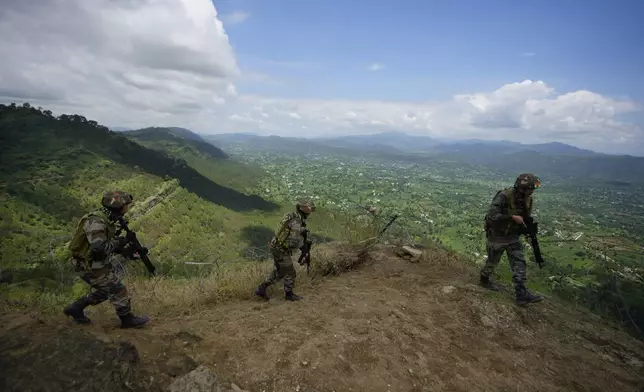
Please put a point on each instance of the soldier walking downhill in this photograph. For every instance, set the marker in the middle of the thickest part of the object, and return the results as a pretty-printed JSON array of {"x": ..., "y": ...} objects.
[
  {"x": 95, "y": 252},
  {"x": 504, "y": 226},
  {"x": 288, "y": 237}
]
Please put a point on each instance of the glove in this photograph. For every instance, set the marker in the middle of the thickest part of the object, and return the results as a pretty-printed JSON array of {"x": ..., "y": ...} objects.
[
  {"x": 305, "y": 231},
  {"x": 306, "y": 244},
  {"x": 119, "y": 244},
  {"x": 130, "y": 236},
  {"x": 97, "y": 251}
]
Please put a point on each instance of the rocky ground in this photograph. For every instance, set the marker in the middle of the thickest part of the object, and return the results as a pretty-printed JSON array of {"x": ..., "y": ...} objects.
[{"x": 391, "y": 325}]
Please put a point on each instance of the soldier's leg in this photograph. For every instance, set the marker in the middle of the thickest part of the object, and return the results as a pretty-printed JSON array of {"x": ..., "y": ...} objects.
[
  {"x": 273, "y": 277},
  {"x": 518, "y": 267},
  {"x": 287, "y": 270},
  {"x": 97, "y": 296},
  {"x": 108, "y": 285},
  {"x": 494, "y": 253}
]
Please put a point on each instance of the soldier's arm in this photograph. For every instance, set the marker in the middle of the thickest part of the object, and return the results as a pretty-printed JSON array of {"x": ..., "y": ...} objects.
[
  {"x": 498, "y": 207},
  {"x": 96, "y": 232},
  {"x": 295, "y": 239}
]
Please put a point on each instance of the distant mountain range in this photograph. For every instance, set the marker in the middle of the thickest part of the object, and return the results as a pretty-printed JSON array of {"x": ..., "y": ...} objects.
[
  {"x": 424, "y": 144},
  {"x": 553, "y": 160},
  {"x": 403, "y": 143}
]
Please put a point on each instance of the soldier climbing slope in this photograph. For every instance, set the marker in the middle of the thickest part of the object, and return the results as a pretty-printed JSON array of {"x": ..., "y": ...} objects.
[
  {"x": 288, "y": 237},
  {"x": 95, "y": 253},
  {"x": 503, "y": 226}
]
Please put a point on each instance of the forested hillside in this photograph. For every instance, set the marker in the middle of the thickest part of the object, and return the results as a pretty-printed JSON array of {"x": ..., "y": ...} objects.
[
  {"x": 55, "y": 169},
  {"x": 199, "y": 154}
]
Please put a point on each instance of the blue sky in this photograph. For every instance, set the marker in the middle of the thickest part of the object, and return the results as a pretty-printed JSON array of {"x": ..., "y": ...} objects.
[
  {"x": 434, "y": 49},
  {"x": 527, "y": 71}
]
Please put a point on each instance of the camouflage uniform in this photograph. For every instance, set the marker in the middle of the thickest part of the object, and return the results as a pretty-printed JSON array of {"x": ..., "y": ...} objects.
[
  {"x": 287, "y": 239},
  {"x": 503, "y": 234},
  {"x": 95, "y": 253}
]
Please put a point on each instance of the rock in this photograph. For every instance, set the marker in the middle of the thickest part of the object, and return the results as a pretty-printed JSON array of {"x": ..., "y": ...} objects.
[
  {"x": 448, "y": 289},
  {"x": 179, "y": 365},
  {"x": 409, "y": 253},
  {"x": 488, "y": 322},
  {"x": 202, "y": 379},
  {"x": 235, "y": 388},
  {"x": 127, "y": 352},
  {"x": 6, "y": 276}
]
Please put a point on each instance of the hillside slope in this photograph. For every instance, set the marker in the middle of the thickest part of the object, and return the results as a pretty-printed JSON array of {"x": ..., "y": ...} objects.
[
  {"x": 389, "y": 325},
  {"x": 54, "y": 169},
  {"x": 199, "y": 154},
  {"x": 176, "y": 138}
]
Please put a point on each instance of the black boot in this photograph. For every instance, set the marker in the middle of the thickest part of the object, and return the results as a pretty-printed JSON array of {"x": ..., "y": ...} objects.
[
  {"x": 132, "y": 321},
  {"x": 75, "y": 310},
  {"x": 261, "y": 291},
  {"x": 489, "y": 283},
  {"x": 526, "y": 297},
  {"x": 291, "y": 296}
]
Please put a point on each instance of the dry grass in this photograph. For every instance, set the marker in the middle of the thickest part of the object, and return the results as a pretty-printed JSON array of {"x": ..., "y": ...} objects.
[
  {"x": 218, "y": 284},
  {"x": 390, "y": 325},
  {"x": 232, "y": 282}
]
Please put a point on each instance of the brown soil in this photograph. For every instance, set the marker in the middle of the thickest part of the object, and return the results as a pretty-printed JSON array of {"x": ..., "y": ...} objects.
[{"x": 391, "y": 325}]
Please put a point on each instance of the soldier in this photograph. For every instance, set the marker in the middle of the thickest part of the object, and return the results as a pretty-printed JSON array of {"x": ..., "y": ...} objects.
[
  {"x": 504, "y": 226},
  {"x": 95, "y": 253},
  {"x": 288, "y": 237}
]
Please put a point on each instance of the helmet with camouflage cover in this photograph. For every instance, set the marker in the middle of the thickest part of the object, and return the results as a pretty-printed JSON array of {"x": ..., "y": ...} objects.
[
  {"x": 527, "y": 181},
  {"x": 116, "y": 199},
  {"x": 305, "y": 203}
]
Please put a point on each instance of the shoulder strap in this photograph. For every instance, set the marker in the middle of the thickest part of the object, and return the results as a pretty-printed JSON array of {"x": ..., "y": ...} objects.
[{"x": 509, "y": 194}]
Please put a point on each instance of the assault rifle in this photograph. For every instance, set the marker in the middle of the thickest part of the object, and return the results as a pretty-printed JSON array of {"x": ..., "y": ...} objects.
[
  {"x": 135, "y": 246},
  {"x": 531, "y": 231},
  {"x": 305, "y": 255},
  {"x": 393, "y": 218}
]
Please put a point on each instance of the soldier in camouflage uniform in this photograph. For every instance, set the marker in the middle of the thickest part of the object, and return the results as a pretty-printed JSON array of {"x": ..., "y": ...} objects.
[
  {"x": 95, "y": 253},
  {"x": 288, "y": 237},
  {"x": 504, "y": 226}
]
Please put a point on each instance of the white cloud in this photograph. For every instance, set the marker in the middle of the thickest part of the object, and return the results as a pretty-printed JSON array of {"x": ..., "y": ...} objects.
[
  {"x": 235, "y": 17},
  {"x": 168, "y": 62},
  {"x": 376, "y": 67},
  {"x": 117, "y": 61}
]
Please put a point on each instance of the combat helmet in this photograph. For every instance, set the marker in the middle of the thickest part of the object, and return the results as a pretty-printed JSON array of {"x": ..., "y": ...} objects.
[
  {"x": 116, "y": 199},
  {"x": 303, "y": 202},
  {"x": 527, "y": 181}
]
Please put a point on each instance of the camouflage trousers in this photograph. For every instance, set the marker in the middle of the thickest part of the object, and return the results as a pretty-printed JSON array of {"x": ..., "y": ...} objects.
[
  {"x": 107, "y": 285},
  {"x": 516, "y": 259},
  {"x": 284, "y": 269}
]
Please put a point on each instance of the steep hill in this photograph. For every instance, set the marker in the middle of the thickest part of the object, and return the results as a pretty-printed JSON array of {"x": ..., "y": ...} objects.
[
  {"x": 388, "y": 325},
  {"x": 175, "y": 139},
  {"x": 204, "y": 157},
  {"x": 53, "y": 170},
  {"x": 69, "y": 140}
]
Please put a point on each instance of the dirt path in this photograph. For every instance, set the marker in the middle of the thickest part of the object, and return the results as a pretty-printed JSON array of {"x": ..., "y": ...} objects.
[{"x": 392, "y": 326}]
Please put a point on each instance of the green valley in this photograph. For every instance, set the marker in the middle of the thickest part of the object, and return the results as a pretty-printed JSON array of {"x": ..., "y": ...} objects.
[{"x": 215, "y": 199}]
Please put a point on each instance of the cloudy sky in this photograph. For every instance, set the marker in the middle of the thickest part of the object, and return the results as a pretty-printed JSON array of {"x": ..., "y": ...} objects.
[{"x": 524, "y": 71}]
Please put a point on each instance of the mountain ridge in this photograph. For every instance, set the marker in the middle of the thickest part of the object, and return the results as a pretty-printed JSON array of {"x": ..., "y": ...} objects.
[
  {"x": 174, "y": 135},
  {"x": 554, "y": 160}
]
